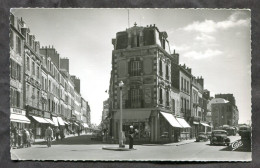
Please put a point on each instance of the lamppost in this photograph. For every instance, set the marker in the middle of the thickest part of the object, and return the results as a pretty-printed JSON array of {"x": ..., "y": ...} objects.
[{"x": 121, "y": 143}]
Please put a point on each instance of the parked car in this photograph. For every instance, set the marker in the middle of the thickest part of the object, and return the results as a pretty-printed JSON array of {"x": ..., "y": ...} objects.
[
  {"x": 165, "y": 135},
  {"x": 219, "y": 137},
  {"x": 202, "y": 136}
]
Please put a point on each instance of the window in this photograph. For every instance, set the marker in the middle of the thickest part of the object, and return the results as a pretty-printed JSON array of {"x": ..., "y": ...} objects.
[
  {"x": 11, "y": 39},
  {"x": 15, "y": 70},
  {"x": 167, "y": 98},
  {"x": 135, "y": 98},
  {"x": 188, "y": 87},
  {"x": 43, "y": 87},
  {"x": 46, "y": 85},
  {"x": 33, "y": 68},
  {"x": 49, "y": 86},
  {"x": 182, "y": 105},
  {"x": 161, "y": 96},
  {"x": 14, "y": 98},
  {"x": 160, "y": 68},
  {"x": 28, "y": 63},
  {"x": 185, "y": 85},
  {"x": 38, "y": 72},
  {"x": 137, "y": 38},
  {"x": 173, "y": 106},
  {"x": 167, "y": 71},
  {"x": 182, "y": 83},
  {"x": 135, "y": 68}
]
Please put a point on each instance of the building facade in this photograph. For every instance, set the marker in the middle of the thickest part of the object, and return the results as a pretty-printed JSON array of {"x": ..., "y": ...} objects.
[
  {"x": 42, "y": 92},
  {"x": 142, "y": 61},
  {"x": 18, "y": 114}
]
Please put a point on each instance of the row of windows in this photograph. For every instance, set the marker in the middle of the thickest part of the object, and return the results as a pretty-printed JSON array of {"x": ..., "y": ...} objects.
[
  {"x": 15, "y": 98},
  {"x": 31, "y": 66},
  {"x": 15, "y": 70},
  {"x": 32, "y": 96},
  {"x": 161, "y": 71},
  {"x": 185, "y": 85},
  {"x": 161, "y": 97},
  {"x": 185, "y": 104}
]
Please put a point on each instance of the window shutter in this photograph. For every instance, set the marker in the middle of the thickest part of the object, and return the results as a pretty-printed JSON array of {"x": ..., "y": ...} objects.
[
  {"x": 16, "y": 44},
  {"x": 129, "y": 67}
]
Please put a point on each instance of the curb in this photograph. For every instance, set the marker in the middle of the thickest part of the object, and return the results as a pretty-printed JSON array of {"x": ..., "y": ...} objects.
[{"x": 117, "y": 149}]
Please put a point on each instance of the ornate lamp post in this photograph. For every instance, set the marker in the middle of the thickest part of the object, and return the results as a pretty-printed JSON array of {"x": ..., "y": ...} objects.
[{"x": 121, "y": 143}]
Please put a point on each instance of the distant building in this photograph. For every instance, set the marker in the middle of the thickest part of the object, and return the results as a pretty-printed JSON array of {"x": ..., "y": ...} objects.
[{"x": 223, "y": 112}]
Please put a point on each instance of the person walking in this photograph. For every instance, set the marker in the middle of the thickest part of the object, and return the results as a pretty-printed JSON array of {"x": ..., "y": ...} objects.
[
  {"x": 15, "y": 133},
  {"x": 131, "y": 137},
  {"x": 57, "y": 133},
  {"x": 62, "y": 135},
  {"x": 48, "y": 136},
  {"x": 25, "y": 144}
]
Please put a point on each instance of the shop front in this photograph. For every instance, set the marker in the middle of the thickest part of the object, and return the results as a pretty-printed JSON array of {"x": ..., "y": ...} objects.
[
  {"x": 185, "y": 130},
  {"x": 139, "y": 118},
  {"x": 18, "y": 118},
  {"x": 38, "y": 123},
  {"x": 169, "y": 128}
]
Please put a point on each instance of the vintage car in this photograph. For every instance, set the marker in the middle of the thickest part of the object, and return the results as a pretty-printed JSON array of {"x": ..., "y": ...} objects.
[
  {"x": 202, "y": 136},
  {"x": 165, "y": 135},
  {"x": 219, "y": 137}
]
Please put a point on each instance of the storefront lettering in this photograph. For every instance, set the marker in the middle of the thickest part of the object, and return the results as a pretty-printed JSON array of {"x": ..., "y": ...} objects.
[{"x": 17, "y": 111}]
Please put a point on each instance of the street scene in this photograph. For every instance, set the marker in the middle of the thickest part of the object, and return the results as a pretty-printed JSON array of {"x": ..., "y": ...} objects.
[
  {"x": 83, "y": 148},
  {"x": 143, "y": 86}
]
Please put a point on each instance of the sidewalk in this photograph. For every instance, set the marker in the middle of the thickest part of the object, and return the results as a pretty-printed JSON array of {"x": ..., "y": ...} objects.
[
  {"x": 67, "y": 136},
  {"x": 183, "y": 142}
]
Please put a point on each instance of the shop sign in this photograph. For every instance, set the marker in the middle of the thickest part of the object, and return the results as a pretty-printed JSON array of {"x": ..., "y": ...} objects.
[
  {"x": 47, "y": 115},
  {"x": 36, "y": 112},
  {"x": 17, "y": 111}
]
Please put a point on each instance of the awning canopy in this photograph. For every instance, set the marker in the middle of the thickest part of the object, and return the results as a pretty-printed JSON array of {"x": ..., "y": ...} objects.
[
  {"x": 76, "y": 124},
  {"x": 204, "y": 124},
  {"x": 50, "y": 121},
  {"x": 65, "y": 122},
  {"x": 85, "y": 125},
  {"x": 40, "y": 120},
  {"x": 171, "y": 119},
  {"x": 60, "y": 120},
  {"x": 55, "y": 120},
  {"x": 183, "y": 122},
  {"x": 19, "y": 118},
  {"x": 195, "y": 122},
  {"x": 135, "y": 114}
]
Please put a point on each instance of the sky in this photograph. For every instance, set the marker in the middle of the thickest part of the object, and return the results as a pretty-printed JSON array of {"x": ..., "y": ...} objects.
[{"x": 216, "y": 44}]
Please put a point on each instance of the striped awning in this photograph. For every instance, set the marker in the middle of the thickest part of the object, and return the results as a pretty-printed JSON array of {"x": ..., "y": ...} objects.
[{"x": 171, "y": 119}]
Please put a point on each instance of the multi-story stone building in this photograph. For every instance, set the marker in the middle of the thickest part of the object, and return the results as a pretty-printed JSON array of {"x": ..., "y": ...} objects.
[
  {"x": 223, "y": 112},
  {"x": 141, "y": 60},
  {"x": 18, "y": 114},
  {"x": 42, "y": 91}
]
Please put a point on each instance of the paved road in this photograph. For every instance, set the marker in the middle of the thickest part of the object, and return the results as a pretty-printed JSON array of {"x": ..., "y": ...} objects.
[{"x": 80, "y": 148}]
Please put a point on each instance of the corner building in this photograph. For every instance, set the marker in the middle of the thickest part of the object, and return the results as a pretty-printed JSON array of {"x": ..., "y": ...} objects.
[{"x": 142, "y": 61}]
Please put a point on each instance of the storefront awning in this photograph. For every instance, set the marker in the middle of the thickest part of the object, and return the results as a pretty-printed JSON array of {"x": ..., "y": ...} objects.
[
  {"x": 85, "y": 125},
  {"x": 65, "y": 122},
  {"x": 60, "y": 120},
  {"x": 183, "y": 122},
  {"x": 19, "y": 118},
  {"x": 55, "y": 120},
  {"x": 171, "y": 119},
  {"x": 40, "y": 120},
  {"x": 204, "y": 124},
  {"x": 50, "y": 121},
  {"x": 196, "y": 123},
  {"x": 76, "y": 124},
  {"x": 139, "y": 115}
]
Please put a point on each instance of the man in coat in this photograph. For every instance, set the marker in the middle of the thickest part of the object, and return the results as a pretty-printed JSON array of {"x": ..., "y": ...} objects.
[
  {"x": 48, "y": 136},
  {"x": 131, "y": 137}
]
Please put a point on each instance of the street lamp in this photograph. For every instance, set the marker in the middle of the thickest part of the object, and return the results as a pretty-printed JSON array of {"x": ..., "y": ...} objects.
[{"x": 121, "y": 143}]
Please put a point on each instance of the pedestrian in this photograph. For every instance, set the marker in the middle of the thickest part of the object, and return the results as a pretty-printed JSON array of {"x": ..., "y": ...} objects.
[
  {"x": 62, "y": 135},
  {"x": 49, "y": 136},
  {"x": 28, "y": 138},
  {"x": 31, "y": 136},
  {"x": 78, "y": 130},
  {"x": 15, "y": 133},
  {"x": 25, "y": 144},
  {"x": 57, "y": 133},
  {"x": 131, "y": 137}
]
